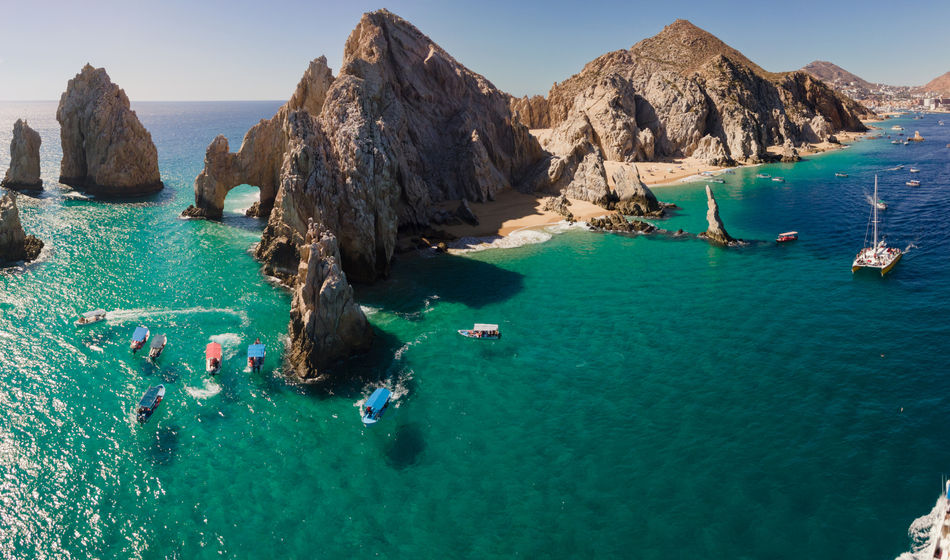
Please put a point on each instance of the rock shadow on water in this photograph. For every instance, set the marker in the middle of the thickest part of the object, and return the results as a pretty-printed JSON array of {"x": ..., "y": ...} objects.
[
  {"x": 414, "y": 283},
  {"x": 406, "y": 448},
  {"x": 163, "y": 445}
]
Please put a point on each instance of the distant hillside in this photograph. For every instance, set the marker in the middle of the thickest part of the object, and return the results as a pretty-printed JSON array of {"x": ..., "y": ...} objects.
[
  {"x": 940, "y": 84},
  {"x": 836, "y": 75}
]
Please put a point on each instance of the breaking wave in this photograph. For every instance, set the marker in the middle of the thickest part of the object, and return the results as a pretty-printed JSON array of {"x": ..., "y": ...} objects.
[{"x": 517, "y": 238}]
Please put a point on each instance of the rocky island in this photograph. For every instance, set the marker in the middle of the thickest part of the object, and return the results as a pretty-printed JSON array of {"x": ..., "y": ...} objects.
[
  {"x": 106, "y": 150},
  {"x": 15, "y": 244},
  {"x": 24, "y": 170},
  {"x": 404, "y": 130}
]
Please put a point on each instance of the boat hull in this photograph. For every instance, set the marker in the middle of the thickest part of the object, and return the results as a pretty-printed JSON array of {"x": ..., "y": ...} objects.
[
  {"x": 884, "y": 269},
  {"x": 471, "y": 334}
]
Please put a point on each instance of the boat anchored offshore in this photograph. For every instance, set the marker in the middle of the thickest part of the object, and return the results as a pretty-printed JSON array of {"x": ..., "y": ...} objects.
[
  {"x": 482, "y": 330},
  {"x": 255, "y": 355},
  {"x": 778, "y": 179},
  {"x": 913, "y": 183},
  {"x": 763, "y": 176},
  {"x": 139, "y": 337},
  {"x": 914, "y": 170},
  {"x": 787, "y": 236},
  {"x": 90, "y": 317},
  {"x": 376, "y": 405},
  {"x": 881, "y": 205},
  {"x": 213, "y": 358},
  {"x": 878, "y": 256},
  {"x": 841, "y": 174},
  {"x": 157, "y": 345},
  {"x": 150, "y": 401}
]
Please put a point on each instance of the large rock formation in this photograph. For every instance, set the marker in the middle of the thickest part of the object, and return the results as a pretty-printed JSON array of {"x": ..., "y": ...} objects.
[
  {"x": 684, "y": 92},
  {"x": 24, "y": 170},
  {"x": 15, "y": 245},
  {"x": 715, "y": 232},
  {"x": 106, "y": 150},
  {"x": 402, "y": 127},
  {"x": 326, "y": 323}
]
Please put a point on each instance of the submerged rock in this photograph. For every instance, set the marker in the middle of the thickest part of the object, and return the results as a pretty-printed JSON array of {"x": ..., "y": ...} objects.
[
  {"x": 326, "y": 323},
  {"x": 24, "y": 170},
  {"x": 15, "y": 245},
  {"x": 715, "y": 232},
  {"x": 106, "y": 150}
]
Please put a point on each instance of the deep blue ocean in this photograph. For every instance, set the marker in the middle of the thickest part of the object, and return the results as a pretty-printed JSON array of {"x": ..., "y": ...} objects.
[{"x": 652, "y": 397}]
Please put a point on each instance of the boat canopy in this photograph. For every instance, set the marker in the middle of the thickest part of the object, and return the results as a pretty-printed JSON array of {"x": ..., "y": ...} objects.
[
  {"x": 148, "y": 400},
  {"x": 788, "y": 233},
  {"x": 255, "y": 351},
  {"x": 158, "y": 341},
  {"x": 213, "y": 350},
  {"x": 484, "y": 327},
  {"x": 94, "y": 313},
  {"x": 140, "y": 333},
  {"x": 378, "y": 398}
]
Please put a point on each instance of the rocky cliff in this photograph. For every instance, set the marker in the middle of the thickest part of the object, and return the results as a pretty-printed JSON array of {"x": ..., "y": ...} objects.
[
  {"x": 684, "y": 92},
  {"x": 15, "y": 245},
  {"x": 24, "y": 170},
  {"x": 106, "y": 150},
  {"x": 402, "y": 127}
]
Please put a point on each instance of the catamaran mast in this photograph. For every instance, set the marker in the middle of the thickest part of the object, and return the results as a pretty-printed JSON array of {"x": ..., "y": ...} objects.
[{"x": 875, "y": 213}]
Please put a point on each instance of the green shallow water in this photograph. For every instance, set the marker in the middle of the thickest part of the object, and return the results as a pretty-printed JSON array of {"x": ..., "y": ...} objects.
[{"x": 651, "y": 397}]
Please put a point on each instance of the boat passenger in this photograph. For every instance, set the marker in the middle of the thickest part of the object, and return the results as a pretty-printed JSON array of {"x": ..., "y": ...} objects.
[{"x": 369, "y": 411}]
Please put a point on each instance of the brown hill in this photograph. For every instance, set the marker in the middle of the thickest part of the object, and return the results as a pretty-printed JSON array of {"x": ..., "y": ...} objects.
[
  {"x": 836, "y": 75},
  {"x": 940, "y": 84}
]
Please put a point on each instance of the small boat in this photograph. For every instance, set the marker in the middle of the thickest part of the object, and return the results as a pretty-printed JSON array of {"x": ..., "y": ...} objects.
[
  {"x": 716, "y": 181},
  {"x": 940, "y": 123},
  {"x": 482, "y": 330},
  {"x": 376, "y": 405},
  {"x": 881, "y": 205},
  {"x": 913, "y": 183},
  {"x": 896, "y": 127},
  {"x": 150, "y": 401},
  {"x": 763, "y": 176},
  {"x": 898, "y": 167},
  {"x": 778, "y": 179},
  {"x": 706, "y": 173},
  {"x": 255, "y": 355},
  {"x": 895, "y": 141},
  {"x": 157, "y": 345},
  {"x": 914, "y": 170},
  {"x": 139, "y": 337},
  {"x": 787, "y": 236},
  {"x": 213, "y": 358},
  {"x": 878, "y": 255},
  {"x": 841, "y": 174},
  {"x": 90, "y": 317}
]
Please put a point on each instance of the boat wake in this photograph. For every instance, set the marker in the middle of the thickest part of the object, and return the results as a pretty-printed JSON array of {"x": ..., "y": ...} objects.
[
  {"x": 230, "y": 344},
  {"x": 909, "y": 247},
  {"x": 398, "y": 386},
  {"x": 126, "y": 315},
  {"x": 397, "y": 356},
  {"x": 209, "y": 389},
  {"x": 923, "y": 533}
]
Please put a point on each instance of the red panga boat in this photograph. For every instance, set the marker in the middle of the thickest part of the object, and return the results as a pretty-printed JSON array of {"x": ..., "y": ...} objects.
[{"x": 787, "y": 236}]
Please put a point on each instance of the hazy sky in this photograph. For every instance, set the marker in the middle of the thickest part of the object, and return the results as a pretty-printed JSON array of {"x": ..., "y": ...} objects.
[{"x": 193, "y": 50}]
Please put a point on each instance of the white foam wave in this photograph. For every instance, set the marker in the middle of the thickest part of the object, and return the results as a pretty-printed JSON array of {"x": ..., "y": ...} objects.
[
  {"x": 402, "y": 349},
  {"x": 209, "y": 389},
  {"x": 125, "y": 315},
  {"x": 924, "y": 533},
  {"x": 512, "y": 240},
  {"x": 368, "y": 310},
  {"x": 398, "y": 386},
  {"x": 99, "y": 349},
  {"x": 230, "y": 343}
]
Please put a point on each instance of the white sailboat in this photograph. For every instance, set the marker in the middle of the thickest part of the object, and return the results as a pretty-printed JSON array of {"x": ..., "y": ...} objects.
[{"x": 878, "y": 256}]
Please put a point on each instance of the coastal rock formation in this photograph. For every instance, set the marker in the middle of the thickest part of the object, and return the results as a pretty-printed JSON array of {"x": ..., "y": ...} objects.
[
  {"x": 326, "y": 323},
  {"x": 616, "y": 222},
  {"x": 15, "y": 245},
  {"x": 559, "y": 205},
  {"x": 24, "y": 170},
  {"x": 683, "y": 93},
  {"x": 402, "y": 128},
  {"x": 789, "y": 153},
  {"x": 106, "y": 150},
  {"x": 716, "y": 232},
  {"x": 532, "y": 111}
]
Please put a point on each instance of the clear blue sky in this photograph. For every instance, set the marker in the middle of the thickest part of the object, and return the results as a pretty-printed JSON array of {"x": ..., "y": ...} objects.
[{"x": 183, "y": 50}]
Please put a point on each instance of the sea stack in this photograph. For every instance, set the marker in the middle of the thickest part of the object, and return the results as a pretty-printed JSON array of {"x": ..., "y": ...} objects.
[
  {"x": 716, "y": 232},
  {"x": 326, "y": 323},
  {"x": 15, "y": 245},
  {"x": 106, "y": 150},
  {"x": 24, "y": 170}
]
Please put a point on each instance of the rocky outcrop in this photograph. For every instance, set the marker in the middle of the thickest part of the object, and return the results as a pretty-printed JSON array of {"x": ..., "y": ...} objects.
[
  {"x": 326, "y": 323},
  {"x": 559, "y": 205},
  {"x": 106, "y": 150},
  {"x": 616, "y": 222},
  {"x": 15, "y": 245},
  {"x": 789, "y": 153},
  {"x": 465, "y": 213},
  {"x": 684, "y": 92},
  {"x": 531, "y": 111},
  {"x": 24, "y": 170},
  {"x": 715, "y": 232}
]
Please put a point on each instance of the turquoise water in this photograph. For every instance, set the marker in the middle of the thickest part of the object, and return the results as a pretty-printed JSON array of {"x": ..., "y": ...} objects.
[{"x": 651, "y": 397}]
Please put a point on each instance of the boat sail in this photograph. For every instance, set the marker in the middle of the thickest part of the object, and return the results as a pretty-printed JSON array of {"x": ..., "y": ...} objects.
[{"x": 878, "y": 256}]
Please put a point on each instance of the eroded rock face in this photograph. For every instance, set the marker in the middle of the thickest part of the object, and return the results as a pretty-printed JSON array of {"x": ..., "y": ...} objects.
[
  {"x": 15, "y": 245},
  {"x": 24, "y": 170},
  {"x": 326, "y": 323},
  {"x": 716, "y": 232},
  {"x": 106, "y": 150}
]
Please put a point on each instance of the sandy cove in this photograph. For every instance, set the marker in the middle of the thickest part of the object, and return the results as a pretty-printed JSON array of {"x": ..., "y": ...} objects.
[{"x": 512, "y": 211}]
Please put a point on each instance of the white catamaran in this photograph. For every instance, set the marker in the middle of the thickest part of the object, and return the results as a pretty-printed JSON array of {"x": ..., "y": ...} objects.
[{"x": 878, "y": 255}]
